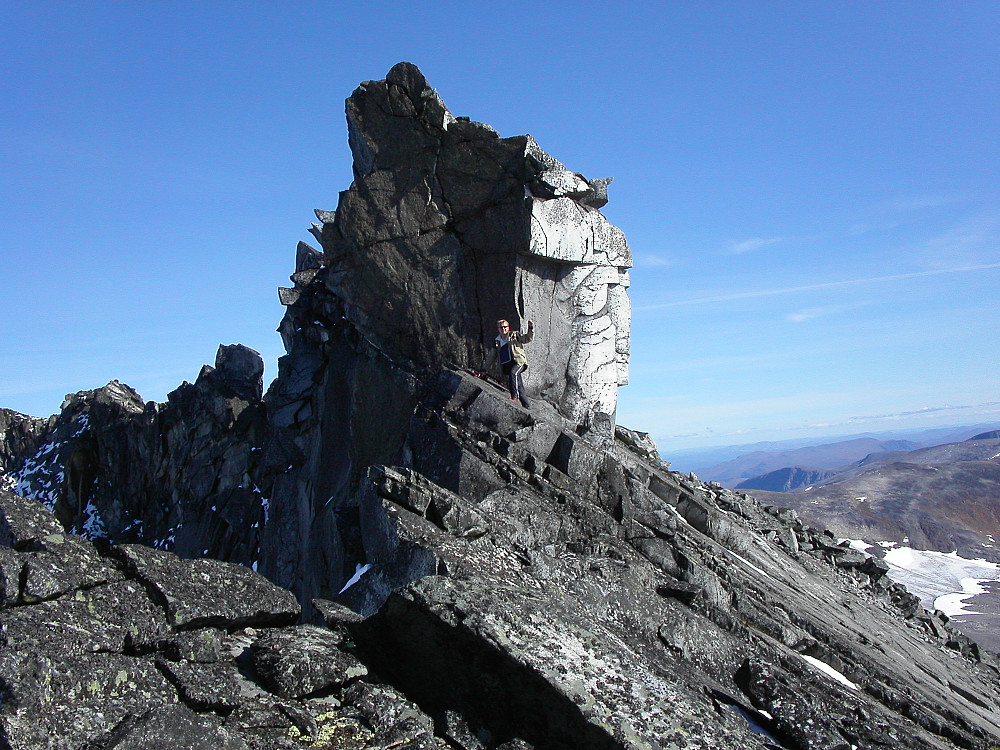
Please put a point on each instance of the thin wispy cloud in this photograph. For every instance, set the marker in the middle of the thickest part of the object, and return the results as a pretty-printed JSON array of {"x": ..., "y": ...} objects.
[
  {"x": 653, "y": 261},
  {"x": 865, "y": 227},
  {"x": 756, "y": 243},
  {"x": 985, "y": 410},
  {"x": 811, "y": 313},
  {"x": 921, "y": 202},
  {"x": 985, "y": 407},
  {"x": 972, "y": 233},
  {"x": 815, "y": 287}
]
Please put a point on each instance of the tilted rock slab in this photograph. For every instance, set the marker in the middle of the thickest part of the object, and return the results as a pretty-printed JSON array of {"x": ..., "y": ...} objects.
[
  {"x": 587, "y": 597},
  {"x": 189, "y": 590},
  {"x": 159, "y": 653}
]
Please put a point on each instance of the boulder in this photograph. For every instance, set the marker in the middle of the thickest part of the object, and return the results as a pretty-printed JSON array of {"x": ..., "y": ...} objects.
[
  {"x": 58, "y": 699},
  {"x": 23, "y": 522},
  {"x": 100, "y": 666},
  {"x": 185, "y": 729},
  {"x": 298, "y": 661},
  {"x": 188, "y": 589}
]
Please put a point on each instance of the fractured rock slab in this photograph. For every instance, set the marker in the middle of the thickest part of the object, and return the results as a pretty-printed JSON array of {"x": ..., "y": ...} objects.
[{"x": 189, "y": 590}]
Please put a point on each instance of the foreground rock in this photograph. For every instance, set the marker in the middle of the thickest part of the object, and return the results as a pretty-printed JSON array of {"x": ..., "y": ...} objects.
[
  {"x": 616, "y": 604},
  {"x": 113, "y": 663}
]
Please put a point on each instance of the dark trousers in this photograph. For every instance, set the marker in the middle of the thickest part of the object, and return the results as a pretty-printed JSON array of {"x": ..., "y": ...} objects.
[{"x": 515, "y": 383}]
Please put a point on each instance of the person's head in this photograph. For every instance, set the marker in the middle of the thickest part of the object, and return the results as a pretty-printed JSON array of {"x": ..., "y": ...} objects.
[{"x": 503, "y": 326}]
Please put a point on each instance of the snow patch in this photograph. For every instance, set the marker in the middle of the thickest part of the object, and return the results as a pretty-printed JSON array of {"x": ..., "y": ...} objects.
[
  {"x": 955, "y": 605},
  {"x": 93, "y": 524},
  {"x": 167, "y": 542},
  {"x": 265, "y": 503},
  {"x": 359, "y": 571},
  {"x": 826, "y": 669},
  {"x": 942, "y": 580},
  {"x": 41, "y": 477},
  {"x": 859, "y": 544}
]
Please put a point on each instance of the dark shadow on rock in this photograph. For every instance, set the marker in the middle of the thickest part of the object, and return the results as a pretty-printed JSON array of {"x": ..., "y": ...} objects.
[{"x": 444, "y": 668}]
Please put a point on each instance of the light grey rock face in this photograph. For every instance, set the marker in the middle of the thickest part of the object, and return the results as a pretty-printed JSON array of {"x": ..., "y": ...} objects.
[{"x": 591, "y": 295}]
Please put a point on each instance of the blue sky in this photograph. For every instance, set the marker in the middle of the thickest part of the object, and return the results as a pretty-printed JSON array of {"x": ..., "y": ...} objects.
[{"x": 811, "y": 190}]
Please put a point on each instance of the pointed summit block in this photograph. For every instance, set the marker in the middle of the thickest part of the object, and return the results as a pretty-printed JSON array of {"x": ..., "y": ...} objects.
[{"x": 449, "y": 227}]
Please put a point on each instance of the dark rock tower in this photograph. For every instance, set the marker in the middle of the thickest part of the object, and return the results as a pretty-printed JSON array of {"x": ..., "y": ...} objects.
[{"x": 446, "y": 228}]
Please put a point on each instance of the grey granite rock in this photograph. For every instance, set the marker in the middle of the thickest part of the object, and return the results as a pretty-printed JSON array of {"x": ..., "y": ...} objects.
[
  {"x": 11, "y": 565},
  {"x": 439, "y": 223},
  {"x": 295, "y": 662},
  {"x": 176, "y": 727},
  {"x": 204, "y": 645},
  {"x": 117, "y": 617},
  {"x": 23, "y": 522},
  {"x": 59, "y": 563},
  {"x": 55, "y": 699},
  {"x": 217, "y": 686},
  {"x": 189, "y": 589},
  {"x": 100, "y": 667}
]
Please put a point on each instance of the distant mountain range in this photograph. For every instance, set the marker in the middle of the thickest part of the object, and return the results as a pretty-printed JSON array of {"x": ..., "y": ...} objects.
[
  {"x": 786, "y": 479},
  {"x": 814, "y": 457},
  {"x": 944, "y": 497},
  {"x": 733, "y": 466}
]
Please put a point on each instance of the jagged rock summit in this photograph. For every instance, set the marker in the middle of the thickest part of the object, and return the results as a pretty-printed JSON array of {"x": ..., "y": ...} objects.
[
  {"x": 446, "y": 228},
  {"x": 472, "y": 574},
  {"x": 449, "y": 227}
]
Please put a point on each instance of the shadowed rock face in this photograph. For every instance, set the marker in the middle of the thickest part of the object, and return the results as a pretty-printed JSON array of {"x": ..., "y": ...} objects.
[
  {"x": 446, "y": 228},
  {"x": 449, "y": 227}
]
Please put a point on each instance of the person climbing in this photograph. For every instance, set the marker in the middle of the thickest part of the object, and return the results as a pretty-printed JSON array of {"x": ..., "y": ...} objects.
[{"x": 510, "y": 355}]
